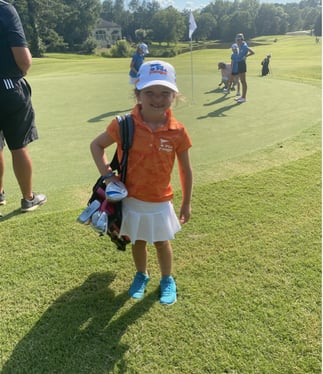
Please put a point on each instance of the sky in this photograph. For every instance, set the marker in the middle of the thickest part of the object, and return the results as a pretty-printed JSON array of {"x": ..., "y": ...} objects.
[{"x": 198, "y": 4}]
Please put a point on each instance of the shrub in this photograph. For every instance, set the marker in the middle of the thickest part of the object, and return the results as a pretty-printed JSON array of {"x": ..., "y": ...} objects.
[
  {"x": 89, "y": 45},
  {"x": 121, "y": 49}
]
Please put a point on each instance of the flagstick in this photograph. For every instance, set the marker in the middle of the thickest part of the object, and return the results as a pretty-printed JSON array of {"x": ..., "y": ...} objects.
[
  {"x": 191, "y": 28},
  {"x": 192, "y": 73}
]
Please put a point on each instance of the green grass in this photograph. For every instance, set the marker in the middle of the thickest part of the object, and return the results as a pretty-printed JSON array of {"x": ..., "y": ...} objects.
[{"x": 248, "y": 264}]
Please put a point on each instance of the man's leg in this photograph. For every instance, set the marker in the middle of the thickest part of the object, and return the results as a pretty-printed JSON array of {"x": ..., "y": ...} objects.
[
  {"x": 2, "y": 195},
  {"x": 22, "y": 166},
  {"x": 1, "y": 170}
]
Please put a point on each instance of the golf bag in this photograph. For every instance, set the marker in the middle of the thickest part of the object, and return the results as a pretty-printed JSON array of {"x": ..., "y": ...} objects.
[
  {"x": 265, "y": 66},
  {"x": 113, "y": 210}
]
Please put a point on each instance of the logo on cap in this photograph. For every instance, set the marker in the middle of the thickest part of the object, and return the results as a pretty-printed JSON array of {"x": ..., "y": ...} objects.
[{"x": 157, "y": 69}]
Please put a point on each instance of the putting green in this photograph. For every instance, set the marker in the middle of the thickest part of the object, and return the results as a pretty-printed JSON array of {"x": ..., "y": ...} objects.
[{"x": 220, "y": 128}]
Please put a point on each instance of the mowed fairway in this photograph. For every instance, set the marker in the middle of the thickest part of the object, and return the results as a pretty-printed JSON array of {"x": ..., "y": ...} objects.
[{"x": 248, "y": 263}]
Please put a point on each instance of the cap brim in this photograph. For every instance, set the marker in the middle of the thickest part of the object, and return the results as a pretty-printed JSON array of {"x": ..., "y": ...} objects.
[{"x": 157, "y": 83}]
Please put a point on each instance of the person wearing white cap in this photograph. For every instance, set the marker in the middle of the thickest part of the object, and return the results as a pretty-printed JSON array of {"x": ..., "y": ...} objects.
[
  {"x": 159, "y": 139},
  {"x": 137, "y": 60}
]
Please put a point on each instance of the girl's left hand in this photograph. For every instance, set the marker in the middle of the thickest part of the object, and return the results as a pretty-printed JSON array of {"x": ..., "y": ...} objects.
[{"x": 185, "y": 213}]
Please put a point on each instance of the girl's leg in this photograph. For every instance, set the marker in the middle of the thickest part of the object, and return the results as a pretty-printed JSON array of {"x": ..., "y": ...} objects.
[
  {"x": 165, "y": 257},
  {"x": 244, "y": 84},
  {"x": 139, "y": 254},
  {"x": 167, "y": 284}
]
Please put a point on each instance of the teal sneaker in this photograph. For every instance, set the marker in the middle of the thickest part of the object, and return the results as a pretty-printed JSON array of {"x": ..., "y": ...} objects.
[
  {"x": 137, "y": 289},
  {"x": 168, "y": 290}
]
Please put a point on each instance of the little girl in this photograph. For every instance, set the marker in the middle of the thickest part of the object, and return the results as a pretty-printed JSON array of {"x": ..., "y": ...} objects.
[{"x": 148, "y": 213}]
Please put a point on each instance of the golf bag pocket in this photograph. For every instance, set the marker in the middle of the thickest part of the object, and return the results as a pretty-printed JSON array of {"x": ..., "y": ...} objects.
[{"x": 104, "y": 216}]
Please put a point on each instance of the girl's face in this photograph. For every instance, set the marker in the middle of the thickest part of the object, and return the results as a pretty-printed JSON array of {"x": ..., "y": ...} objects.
[{"x": 155, "y": 100}]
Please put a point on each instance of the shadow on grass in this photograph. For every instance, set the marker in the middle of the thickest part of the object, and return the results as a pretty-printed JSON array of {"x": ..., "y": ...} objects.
[
  {"x": 219, "y": 112},
  {"x": 80, "y": 332},
  {"x": 219, "y": 100},
  {"x": 215, "y": 90},
  {"x": 101, "y": 117},
  {"x": 12, "y": 214}
]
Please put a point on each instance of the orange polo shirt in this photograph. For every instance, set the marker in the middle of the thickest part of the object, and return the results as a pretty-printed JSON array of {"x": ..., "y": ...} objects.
[{"x": 152, "y": 156}]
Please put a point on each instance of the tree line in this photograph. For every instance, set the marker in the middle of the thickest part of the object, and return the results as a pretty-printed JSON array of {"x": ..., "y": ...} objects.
[{"x": 67, "y": 25}]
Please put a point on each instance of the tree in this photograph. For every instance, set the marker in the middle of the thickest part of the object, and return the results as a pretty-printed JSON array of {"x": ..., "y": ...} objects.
[
  {"x": 206, "y": 24},
  {"x": 79, "y": 20},
  {"x": 168, "y": 25},
  {"x": 107, "y": 10},
  {"x": 241, "y": 21},
  {"x": 271, "y": 20},
  {"x": 309, "y": 16},
  {"x": 294, "y": 19}
]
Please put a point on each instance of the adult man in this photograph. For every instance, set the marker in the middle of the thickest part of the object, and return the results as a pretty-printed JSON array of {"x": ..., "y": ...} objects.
[{"x": 17, "y": 118}]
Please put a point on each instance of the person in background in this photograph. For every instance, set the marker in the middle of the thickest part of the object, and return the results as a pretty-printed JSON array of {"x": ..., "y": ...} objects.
[
  {"x": 244, "y": 52},
  {"x": 265, "y": 65},
  {"x": 17, "y": 118},
  {"x": 234, "y": 79},
  {"x": 136, "y": 61},
  {"x": 148, "y": 212},
  {"x": 225, "y": 74}
]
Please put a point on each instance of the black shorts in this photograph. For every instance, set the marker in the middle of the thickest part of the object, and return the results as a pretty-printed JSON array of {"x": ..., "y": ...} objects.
[
  {"x": 242, "y": 67},
  {"x": 17, "y": 117}
]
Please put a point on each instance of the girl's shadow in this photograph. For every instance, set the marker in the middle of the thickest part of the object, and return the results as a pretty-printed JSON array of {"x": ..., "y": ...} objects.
[{"x": 80, "y": 332}]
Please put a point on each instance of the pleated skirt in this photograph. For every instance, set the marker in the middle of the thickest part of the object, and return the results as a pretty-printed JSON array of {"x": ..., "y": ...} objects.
[{"x": 151, "y": 222}]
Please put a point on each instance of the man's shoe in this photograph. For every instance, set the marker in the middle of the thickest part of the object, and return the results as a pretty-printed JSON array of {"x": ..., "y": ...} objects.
[
  {"x": 137, "y": 289},
  {"x": 2, "y": 198},
  {"x": 241, "y": 100},
  {"x": 29, "y": 205},
  {"x": 167, "y": 290}
]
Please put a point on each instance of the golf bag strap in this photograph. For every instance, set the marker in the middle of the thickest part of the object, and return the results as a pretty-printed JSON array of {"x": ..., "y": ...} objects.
[{"x": 126, "y": 128}]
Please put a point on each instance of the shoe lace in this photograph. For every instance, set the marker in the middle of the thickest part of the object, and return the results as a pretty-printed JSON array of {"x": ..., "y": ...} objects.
[
  {"x": 167, "y": 286},
  {"x": 140, "y": 282}
]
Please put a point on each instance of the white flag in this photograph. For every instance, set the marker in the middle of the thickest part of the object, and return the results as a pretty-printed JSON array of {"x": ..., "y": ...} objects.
[{"x": 192, "y": 25}]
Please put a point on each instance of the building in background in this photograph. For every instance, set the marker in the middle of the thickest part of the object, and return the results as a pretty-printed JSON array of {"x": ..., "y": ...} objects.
[{"x": 107, "y": 33}]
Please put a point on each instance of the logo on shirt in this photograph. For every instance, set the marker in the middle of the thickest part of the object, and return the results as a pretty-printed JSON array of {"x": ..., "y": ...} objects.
[{"x": 165, "y": 145}]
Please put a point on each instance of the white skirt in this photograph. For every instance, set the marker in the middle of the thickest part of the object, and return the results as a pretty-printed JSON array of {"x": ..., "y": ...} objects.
[{"x": 151, "y": 222}]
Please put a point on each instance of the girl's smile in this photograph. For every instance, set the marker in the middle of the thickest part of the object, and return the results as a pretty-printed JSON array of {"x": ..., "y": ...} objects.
[{"x": 155, "y": 100}]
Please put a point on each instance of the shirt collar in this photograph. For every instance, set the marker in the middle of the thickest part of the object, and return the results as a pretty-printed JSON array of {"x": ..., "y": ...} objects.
[{"x": 171, "y": 123}]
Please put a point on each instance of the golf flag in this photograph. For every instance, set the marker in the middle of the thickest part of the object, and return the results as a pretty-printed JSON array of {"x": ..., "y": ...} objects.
[{"x": 192, "y": 25}]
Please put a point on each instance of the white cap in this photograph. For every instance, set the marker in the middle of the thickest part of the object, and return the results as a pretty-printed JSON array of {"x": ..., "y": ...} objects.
[
  {"x": 155, "y": 73},
  {"x": 144, "y": 48},
  {"x": 234, "y": 46}
]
